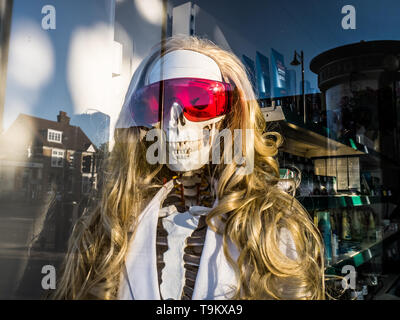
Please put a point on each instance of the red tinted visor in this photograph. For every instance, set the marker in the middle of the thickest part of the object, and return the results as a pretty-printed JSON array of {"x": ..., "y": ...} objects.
[{"x": 199, "y": 99}]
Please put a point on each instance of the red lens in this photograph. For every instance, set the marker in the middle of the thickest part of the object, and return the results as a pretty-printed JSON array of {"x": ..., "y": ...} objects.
[{"x": 200, "y": 100}]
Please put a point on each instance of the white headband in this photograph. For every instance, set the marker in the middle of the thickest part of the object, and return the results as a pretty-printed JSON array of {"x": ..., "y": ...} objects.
[{"x": 184, "y": 64}]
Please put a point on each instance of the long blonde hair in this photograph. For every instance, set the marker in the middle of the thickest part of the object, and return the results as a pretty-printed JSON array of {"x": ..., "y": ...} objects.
[{"x": 252, "y": 208}]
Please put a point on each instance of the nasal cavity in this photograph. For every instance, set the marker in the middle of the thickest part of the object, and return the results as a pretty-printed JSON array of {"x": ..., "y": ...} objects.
[{"x": 175, "y": 115}]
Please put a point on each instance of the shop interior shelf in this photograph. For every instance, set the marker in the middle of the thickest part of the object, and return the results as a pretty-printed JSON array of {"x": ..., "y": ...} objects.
[
  {"x": 367, "y": 251},
  {"x": 340, "y": 201},
  {"x": 309, "y": 144},
  {"x": 311, "y": 140}
]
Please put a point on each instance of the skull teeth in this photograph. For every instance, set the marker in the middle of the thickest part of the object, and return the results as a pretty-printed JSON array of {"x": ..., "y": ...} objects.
[
  {"x": 183, "y": 153},
  {"x": 185, "y": 145},
  {"x": 186, "y": 151},
  {"x": 183, "y": 149},
  {"x": 182, "y": 156}
]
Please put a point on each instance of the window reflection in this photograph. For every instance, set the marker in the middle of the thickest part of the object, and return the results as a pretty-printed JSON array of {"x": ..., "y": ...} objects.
[{"x": 61, "y": 92}]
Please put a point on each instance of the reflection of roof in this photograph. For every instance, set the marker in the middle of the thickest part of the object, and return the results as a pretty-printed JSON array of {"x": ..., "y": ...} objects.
[
  {"x": 354, "y": 49},
  {"x": 34, "y": 128}
]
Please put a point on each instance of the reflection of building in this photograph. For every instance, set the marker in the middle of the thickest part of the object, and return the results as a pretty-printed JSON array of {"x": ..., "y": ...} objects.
[
  {"x": 263, "y": 77},
  {"x": 95, "y": 124},
  {"x": 278, "y": 74},
  {"x": 358, "y": 83},
  {"x": 38, "y": 155},
  {"x": 307, "y": 86},
  {"x": 251, "y": 71}
]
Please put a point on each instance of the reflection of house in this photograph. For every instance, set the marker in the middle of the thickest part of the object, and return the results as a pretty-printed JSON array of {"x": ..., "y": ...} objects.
[{"x": 37, "y": 155}]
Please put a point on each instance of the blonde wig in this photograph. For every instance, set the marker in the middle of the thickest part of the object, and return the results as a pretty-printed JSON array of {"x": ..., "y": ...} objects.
[{"x": 251, "y": 207}]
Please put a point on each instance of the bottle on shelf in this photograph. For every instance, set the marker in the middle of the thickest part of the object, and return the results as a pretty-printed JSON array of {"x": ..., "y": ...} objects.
[
  {"x": 357, "y": 294},
  {"x": 335, "y": 238},
  {"x": 371, "y": 226},
  {"x": 331, "y": 185},
  {"x": 315, "y": 218},
  {"x": 324, "y": 225},
  {"x": 365, "y": 289},
  {"x": 317, "y": 186},
  {"x": 299, "y": 164},
  {"x": 356, "y": 225},
  {"x": 364, "y": 220},
  {"x": 324, "y": 186},
  {"x": 304, "y": 183},
  {"x": 309, "y": 168},
  {"x": 365, "y": 188},
  {"x": 346, "y": 230}
]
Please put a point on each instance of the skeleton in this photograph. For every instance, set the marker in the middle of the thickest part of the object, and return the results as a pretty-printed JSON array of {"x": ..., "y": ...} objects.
[
  {"x": 177, "y": 212},
  {"x": 181, "y": 227}
]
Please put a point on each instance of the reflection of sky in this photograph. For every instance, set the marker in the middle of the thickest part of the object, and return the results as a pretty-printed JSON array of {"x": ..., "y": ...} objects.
[
  {"x": 70, "y": 68},
  {"x": 51, "y": 92},
  {"x": 47, "y": 83},
  {"x": 313, "y": 26}
]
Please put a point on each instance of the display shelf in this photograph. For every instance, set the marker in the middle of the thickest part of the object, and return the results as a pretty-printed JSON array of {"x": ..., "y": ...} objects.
[
  {"x": 373, "y": 155},
  {"x": 312, "y": 140},
  {"x": 367, "y": 251},
  {"x": 309, "y": 144},
  {"x": 340, "y": 201}
]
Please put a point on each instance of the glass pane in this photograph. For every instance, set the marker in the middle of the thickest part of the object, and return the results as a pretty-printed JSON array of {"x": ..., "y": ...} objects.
[{"x": 326, "y": 76}]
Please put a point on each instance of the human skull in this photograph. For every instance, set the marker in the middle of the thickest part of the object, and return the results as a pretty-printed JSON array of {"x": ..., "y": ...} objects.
[{"x": 189, "y": 143}]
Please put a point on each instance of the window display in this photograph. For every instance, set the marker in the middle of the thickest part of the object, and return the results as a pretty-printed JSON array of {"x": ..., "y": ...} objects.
[
  {"x": 143, "y": 142},
  {"x": 199, "y": 91}
]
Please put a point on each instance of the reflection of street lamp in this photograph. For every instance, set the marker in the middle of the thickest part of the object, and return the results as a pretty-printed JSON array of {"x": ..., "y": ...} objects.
[{"x": 296, "y": 62}]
